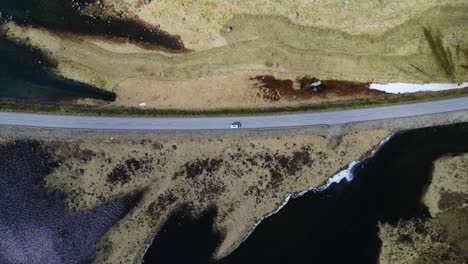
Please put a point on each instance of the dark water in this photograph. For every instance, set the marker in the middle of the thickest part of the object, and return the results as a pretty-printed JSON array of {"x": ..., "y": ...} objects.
[
  {"x": 185, "y": 239},
  {"x": 35, "y": 226},
  {"x": 339, "y": 225},
  {"x": 67, "y": 16},
  {"x": 25, "y": 74}
]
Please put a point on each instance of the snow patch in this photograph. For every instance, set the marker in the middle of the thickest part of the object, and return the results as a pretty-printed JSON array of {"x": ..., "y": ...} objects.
[
  {"x": 344, "y": 174},
  {"x": 315, "y": 84},
  {"x": 397, "y": 88}
]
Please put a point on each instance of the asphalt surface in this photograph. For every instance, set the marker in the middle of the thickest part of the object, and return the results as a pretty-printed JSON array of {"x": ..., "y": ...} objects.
[{"x": 221, "y": 123}]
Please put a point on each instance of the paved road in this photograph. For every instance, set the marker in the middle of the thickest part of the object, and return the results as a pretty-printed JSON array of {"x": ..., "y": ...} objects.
[{"x": 219, "y": 123}]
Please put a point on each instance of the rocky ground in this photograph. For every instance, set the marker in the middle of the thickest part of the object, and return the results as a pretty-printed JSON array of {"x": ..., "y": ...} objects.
[{"x": 443, "y": 238}]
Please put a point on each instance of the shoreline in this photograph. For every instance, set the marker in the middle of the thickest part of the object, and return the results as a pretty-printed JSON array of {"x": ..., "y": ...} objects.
[
  {"x": 332, "y": 134},
  {"x": 347, "y": 174}
]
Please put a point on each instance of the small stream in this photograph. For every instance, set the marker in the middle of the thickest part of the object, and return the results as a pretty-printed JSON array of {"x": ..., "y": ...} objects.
[{"x": 338, "y": 224}]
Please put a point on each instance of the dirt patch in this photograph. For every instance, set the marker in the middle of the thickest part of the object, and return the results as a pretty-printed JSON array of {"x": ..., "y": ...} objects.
[
  {"x": 272, "y": 89},
  {"x": 305, "y": 88}
]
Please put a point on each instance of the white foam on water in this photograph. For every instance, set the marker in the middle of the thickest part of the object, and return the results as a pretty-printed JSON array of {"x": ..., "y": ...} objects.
[
  {"x": 397, "y": 88},
  {"x": 344, "y": 174}
]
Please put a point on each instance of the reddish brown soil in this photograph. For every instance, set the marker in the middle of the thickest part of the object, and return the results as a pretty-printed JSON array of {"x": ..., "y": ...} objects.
[{"x": 272, "y": 89}]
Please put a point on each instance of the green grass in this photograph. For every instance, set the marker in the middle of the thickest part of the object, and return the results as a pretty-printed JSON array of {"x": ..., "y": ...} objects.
[
  {"x": 92, "y": 10},
  {"x": 67, "y": 109}
]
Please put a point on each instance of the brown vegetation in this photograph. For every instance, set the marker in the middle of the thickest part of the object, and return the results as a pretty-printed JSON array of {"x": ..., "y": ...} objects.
[
  {"x": 418, "y": 241},
  {"x": 122, "y": 173},
  {"x": 161, "y": 205},
  {"x": 450, "y": 200},
  {"x": 245, "y": 177},
  {"x": 272, "y": 89},
  {"x": 442, "y": 238},
  {"x": 198, "y": 167}
]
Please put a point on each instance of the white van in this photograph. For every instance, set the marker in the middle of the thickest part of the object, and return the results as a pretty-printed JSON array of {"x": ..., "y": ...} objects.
[{"x": 236, "y": 125}]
